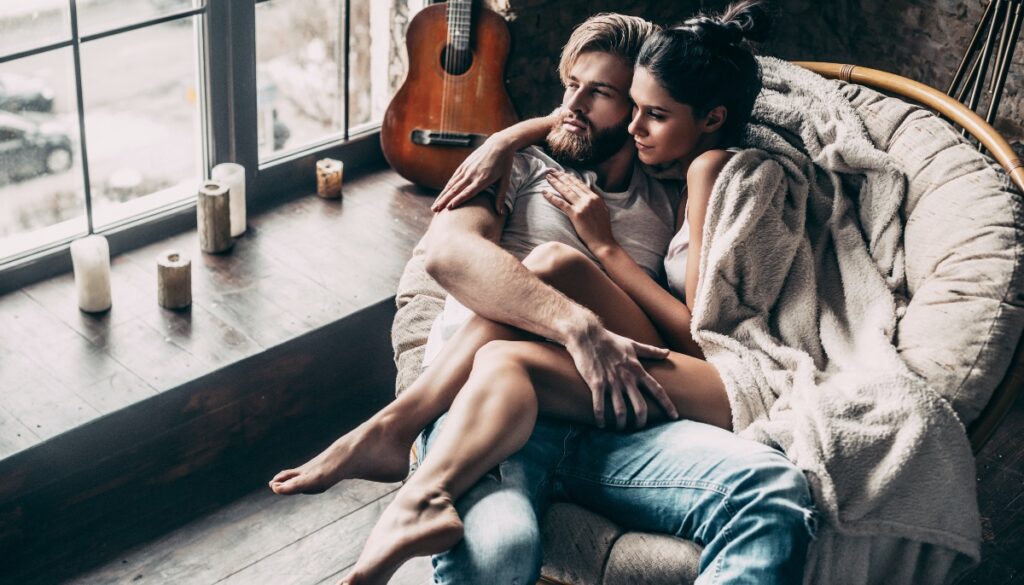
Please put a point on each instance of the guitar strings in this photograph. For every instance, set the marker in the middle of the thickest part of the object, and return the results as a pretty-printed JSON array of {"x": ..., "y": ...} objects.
[
  {"x": 446, "y": 57},
  {"x": 456, "y": 58}
]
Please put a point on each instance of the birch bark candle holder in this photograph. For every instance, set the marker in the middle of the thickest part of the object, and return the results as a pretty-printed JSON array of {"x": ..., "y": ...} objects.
[
  {"x": 90, "y": 260},
  {"x": 213, "y": 214},
  {"x": 329, "y": 175},
  {"x": 173, "y": 280},
  {"x": 233, "y": 175}
]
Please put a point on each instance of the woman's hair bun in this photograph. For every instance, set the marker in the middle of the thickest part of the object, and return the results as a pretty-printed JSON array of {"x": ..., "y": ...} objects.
[{"x": 747, "y": 19}]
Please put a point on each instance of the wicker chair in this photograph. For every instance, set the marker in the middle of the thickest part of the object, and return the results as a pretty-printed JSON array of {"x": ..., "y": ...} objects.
[{"x": 583, "y": 548}]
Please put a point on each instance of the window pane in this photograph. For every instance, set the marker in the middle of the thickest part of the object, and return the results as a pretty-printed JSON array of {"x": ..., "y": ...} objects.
[
  {"x": 99, "y": 15},
  {"x": 369, "y": 58},
  {"x": 41, "y": 195},
  {"x": 142, "y": 122},
  {"x": 299, "y": 93},
  {"x": 36, "y": 23}
]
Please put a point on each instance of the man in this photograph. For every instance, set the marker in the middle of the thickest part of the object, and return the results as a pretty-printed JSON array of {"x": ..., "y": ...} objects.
[{"x": 742, "y": 501}]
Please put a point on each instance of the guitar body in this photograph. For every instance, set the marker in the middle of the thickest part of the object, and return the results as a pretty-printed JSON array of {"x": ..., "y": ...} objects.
[{"x": 438, "y": 117}]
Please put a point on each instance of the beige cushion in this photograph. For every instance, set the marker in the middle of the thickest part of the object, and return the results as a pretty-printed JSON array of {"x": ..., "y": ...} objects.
[
  {"x": 577, "y": 544},
  {"x": 652, "y": 559},
  {"x": 581, "y": 547},
  {"x": 963, "y": 253},
  {"x": 420, "y": 300}
]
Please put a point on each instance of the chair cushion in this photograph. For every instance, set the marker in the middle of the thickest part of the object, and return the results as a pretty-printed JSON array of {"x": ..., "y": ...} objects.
[
  {"x": 577, "y": 544},
  {"x": 583, "y": 548},
  {"x": 962, "y": 239},
  {"x": 652, "y": 559}
]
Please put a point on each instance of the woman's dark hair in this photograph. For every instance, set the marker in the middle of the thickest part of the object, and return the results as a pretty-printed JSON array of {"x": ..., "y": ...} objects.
[{"x": 704, "y": 62}]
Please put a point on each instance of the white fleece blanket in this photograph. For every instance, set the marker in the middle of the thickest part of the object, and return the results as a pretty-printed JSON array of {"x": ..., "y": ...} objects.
[{"x": 801, "y": 283}]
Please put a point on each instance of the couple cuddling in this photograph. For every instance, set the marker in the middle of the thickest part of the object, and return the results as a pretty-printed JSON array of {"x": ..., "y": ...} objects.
[{"x": 547, "y": 374}]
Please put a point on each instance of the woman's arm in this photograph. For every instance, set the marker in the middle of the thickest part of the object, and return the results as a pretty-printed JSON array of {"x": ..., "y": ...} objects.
[
  {"x": 590, "y": 217},
  {"x": 492, "y": 163},
  {"x": 700, "y": 180},
  {"x": 668, "y": 314}
]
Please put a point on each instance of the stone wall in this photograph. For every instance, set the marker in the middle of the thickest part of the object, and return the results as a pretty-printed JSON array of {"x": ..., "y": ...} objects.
[{"x": 919, "y": 39}]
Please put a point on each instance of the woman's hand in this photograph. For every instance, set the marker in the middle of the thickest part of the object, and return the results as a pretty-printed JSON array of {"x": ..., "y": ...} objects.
[
  {"x": 485, "y": 166},
  {"x": 586, "y": 209}
]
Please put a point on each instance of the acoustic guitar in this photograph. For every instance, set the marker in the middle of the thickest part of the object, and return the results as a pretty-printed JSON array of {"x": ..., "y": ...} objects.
[{"x": 454, "y": 94}]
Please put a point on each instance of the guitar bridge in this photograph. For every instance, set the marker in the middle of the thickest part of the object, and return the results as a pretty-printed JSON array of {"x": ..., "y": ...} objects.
[{"x": 437, "y": 138}]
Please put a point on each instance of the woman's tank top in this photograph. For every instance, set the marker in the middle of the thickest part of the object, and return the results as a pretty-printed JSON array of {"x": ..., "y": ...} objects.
[{"x": 676, "y": 256}]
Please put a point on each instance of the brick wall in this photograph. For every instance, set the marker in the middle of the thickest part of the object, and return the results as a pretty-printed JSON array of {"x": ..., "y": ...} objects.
[{"x": 920, "y": 39}]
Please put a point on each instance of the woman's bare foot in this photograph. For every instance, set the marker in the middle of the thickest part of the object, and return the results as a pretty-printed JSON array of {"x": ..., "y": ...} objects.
[
  {"x": 367, "y": 452},
  {"x": 417, "y": 523}
]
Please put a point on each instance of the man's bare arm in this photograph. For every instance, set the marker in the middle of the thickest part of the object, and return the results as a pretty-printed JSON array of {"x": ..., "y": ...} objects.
[
  {"x": 463, "y": 255},
  {"x": 492, "y": 163}
]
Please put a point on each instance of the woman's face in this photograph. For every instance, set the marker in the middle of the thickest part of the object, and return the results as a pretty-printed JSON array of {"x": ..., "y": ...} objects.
[{"x": 664, "y": 129}]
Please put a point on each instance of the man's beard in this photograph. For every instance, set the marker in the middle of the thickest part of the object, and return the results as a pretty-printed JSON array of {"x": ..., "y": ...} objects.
[{"x": 592, "y": 147}]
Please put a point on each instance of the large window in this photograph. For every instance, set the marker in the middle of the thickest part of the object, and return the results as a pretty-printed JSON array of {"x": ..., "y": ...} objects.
[{"x": 113, "y": 111}]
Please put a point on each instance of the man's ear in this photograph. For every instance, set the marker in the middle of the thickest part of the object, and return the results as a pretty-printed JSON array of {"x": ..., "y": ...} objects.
[{"x": 715, "y": 119}]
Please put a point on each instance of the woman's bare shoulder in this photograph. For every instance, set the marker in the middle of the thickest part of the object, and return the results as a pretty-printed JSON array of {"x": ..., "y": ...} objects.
[{"x": 706, "y": 167}]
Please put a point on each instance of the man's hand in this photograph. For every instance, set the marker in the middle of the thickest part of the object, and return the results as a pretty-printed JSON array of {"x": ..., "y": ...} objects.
[
  {"x": 485, "y": 166},
  {"x": 610, "y": 363}
]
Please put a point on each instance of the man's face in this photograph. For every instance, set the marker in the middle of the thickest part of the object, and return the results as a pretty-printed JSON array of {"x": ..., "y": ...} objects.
[{"x": 595, "y": 110}]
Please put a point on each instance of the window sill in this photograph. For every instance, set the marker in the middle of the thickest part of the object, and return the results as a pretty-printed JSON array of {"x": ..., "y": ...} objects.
[{"x": 302, "y": 263}]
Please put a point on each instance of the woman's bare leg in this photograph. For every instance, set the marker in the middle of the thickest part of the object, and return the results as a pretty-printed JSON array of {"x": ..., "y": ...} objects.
[
  {"x": 422, "y": 519},
  {"x": 378, "y": 449},
  {"x": 492, "y": 418}
]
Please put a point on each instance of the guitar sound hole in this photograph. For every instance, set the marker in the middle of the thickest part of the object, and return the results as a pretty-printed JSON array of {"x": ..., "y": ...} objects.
[{"x": 454, "y": 61}]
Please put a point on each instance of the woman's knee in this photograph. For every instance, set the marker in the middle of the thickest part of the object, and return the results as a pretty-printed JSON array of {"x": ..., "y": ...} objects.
[
  {"x": 554, "y": 262},
  {"x": 500, "y": 354},
  {"x": 502, "y": 374}
]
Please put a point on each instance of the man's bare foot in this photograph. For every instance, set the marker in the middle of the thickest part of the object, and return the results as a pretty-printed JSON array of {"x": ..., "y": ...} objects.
[
  {"x": 367, "y": 452},
  {"x": 417, "y": 523}
]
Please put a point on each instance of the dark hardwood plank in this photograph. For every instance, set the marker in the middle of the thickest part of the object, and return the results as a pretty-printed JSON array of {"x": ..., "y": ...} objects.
[
  {"x": 57, "y": 295},
  {"x": 27, "y": 326},
  {"x": 240, "y": 534},
  {"x": 417, "y": 571},
  {"x": 193, "y": 328},
  {"x": 151, "y": 356},
  {"x": 14, "y": 436},
  {"x": 120, "y": 390},
  {"x": 37, "y": 399},
  {"x": 318, "y": 555}
]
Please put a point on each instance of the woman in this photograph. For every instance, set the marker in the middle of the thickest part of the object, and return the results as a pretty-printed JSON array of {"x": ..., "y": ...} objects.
[{"x": 694, "y": 87}]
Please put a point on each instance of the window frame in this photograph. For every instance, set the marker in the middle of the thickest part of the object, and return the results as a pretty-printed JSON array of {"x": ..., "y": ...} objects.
[{"x": 228, "y": 117}]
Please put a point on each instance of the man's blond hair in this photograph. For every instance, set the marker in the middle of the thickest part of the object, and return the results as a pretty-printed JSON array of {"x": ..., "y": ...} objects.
[{"x": 607, "y": 32}]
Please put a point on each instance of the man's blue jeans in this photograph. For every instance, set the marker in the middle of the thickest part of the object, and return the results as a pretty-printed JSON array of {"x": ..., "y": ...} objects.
[{"x": 744, "y": 502}]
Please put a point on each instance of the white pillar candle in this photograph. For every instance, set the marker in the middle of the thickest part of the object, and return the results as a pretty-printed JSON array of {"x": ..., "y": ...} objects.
[
  {"x": 173, "y": 280},
  {"x": 329, "y": 175},
  {"x": 233, "y": 175},
  {"x": 90, "y": 259}
]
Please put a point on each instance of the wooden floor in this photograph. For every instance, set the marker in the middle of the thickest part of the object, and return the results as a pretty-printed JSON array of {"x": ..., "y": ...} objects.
[
  {"x": 300, "y": 265},
  {"x": 265, "y": 538}
]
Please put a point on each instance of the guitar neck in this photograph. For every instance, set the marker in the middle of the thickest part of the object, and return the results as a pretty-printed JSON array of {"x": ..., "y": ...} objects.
[{"x": 460, "y": 13}]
